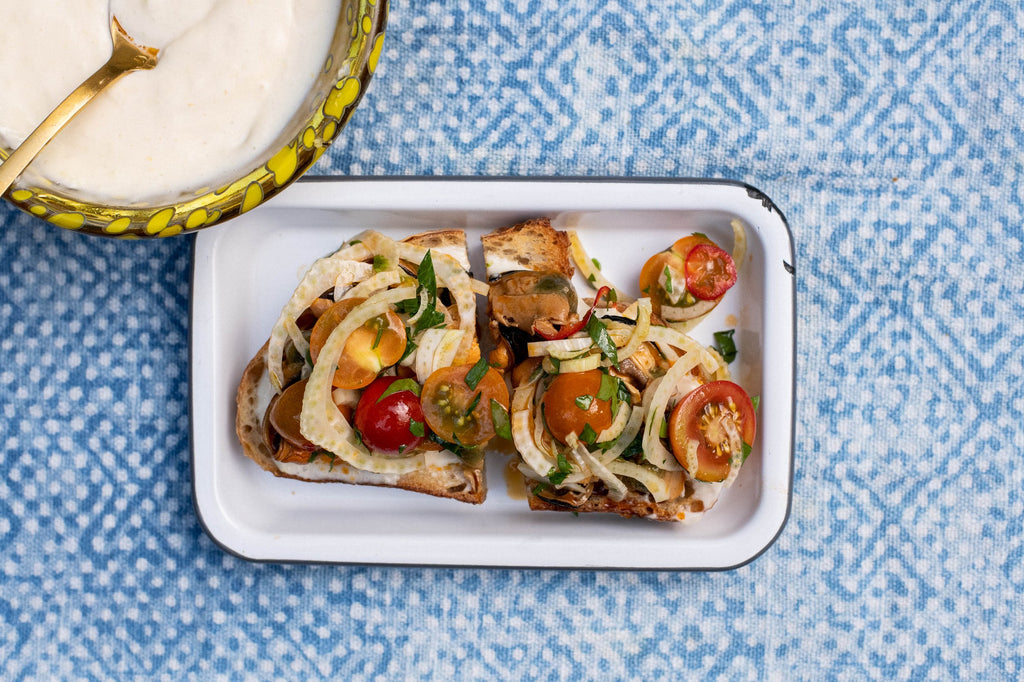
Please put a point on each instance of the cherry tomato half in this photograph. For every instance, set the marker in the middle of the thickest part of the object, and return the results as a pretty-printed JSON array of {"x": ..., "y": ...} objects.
[
  {"x": 571, "y": 403},
  {"x": 460, "y": 414},
  {"x": 710, "y": 272},
  {"x": 377, "y": 344},
  {"x": 718, "y": 419},
  {"x": 389, "y": 425}
]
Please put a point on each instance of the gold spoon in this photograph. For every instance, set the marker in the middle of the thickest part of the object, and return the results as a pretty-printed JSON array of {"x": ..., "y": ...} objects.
[{"x": 126, "y": 56}]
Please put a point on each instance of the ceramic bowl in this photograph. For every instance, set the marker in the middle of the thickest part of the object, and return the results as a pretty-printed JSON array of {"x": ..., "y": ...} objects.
[{"x": 352, "y": 60}]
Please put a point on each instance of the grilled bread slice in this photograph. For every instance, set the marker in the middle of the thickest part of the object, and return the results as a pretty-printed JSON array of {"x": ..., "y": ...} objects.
[
  {"x": 594, "y": 382},
  {"x": 327, "y": 448}
]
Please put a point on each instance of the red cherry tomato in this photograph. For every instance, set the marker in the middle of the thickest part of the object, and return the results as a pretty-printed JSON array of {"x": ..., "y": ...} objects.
[
  {"x": 394, "y": 424},
  {"x": 709, "y": 426},
  {"x": 710, "y": 272}
]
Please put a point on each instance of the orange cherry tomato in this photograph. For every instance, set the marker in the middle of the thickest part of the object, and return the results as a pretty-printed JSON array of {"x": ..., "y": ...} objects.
[
  {"x": 650, "y": 277},
  {"x": 458, "y": 413},
  {"x": 377, "y": 344},
  {"x": 570, "y": 404},
  {"x": 698, "y": 267},
  {"x": 709, "y": 427}
]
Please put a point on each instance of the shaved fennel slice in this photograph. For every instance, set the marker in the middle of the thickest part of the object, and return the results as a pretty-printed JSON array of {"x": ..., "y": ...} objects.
[
  {"x": 640, "y": 332},
  {"x": 437, "y": 348},
  {"x": 632, "y": 428},
  {"x": 427, "y": 343},
  {"x": 522, "y": 436},
  {"x": 739, "y": 244},
  {"x": 683, "y": 341},
  {"x": 383, "y": 247},
  {"x": 588, "y": 267},
  {"x": 321, "y": 421},
  {"x": 452, "y": 275},
  {"x": 446, "y": 351},
  {"x": 584, "y": 364},
  {"x": 664, "y": 486},
  {"x": 575, "y": 344},
  {"x": 323, "y": 275},
  {"x": 616, "y": 488},
  {"x": 369, "y": 287},
  {"x": 654, "y": 451},
  {"x": 618, "y": 424}
]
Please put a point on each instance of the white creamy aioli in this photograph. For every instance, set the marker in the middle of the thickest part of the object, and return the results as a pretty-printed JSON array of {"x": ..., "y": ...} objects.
[{"x": 230, "y": 76}]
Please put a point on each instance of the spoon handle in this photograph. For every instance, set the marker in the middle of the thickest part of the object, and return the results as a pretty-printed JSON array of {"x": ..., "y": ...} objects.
[{"x": 125, "y": 57}]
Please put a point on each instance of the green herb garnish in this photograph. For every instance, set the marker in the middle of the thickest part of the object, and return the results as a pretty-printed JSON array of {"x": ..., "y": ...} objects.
[
  {"x": 400, "y": 385},
  {"x": 558, "y": 474},
  {"x": 416, "y": 428},
  {"x": 668, "y": 280},
  {"x": 464, "y": 452},
  {"x": 588, "y": 435},
  {"x": 380, "y": 263},
  {"x": 499, "y": 415},
  {"x": 477, "y": 372},
  {"x": 584, "y": 401},
  {"x": 725, "y": 344},
  {"x": 600, "y": 336},
  {"x": 609, "y": 387},
  {"x": 473, "y": 404},
  {"x": 427, "y": 281}
]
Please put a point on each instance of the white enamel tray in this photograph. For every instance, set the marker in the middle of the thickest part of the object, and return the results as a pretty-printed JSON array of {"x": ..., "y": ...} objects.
[{"x": 245, "y": 270}]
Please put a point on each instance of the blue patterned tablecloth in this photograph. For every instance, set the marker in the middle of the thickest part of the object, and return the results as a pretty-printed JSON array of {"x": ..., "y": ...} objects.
[{"x": 888, "y": 132}]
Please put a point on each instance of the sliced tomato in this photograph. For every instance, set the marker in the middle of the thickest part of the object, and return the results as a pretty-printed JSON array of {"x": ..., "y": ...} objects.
[
  {"x": 377, "y": 344},
  {"x": 705, "y": 278},
  {"x": 570, "y": 404},
  {"x": 710, "y": 427},
  {"x": 394, "y": 423},
  {"x": 710, "y": 272},
  {"x": 457, "y": 412}
]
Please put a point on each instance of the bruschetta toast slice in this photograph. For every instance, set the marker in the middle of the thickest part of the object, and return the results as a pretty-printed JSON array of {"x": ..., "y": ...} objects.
[
  {"x": 363, "y": 377},
  {"x": 612, "y": 409}
]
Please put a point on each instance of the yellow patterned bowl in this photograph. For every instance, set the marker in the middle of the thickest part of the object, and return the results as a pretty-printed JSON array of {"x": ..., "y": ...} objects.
[{"x": 345, "y": 76}]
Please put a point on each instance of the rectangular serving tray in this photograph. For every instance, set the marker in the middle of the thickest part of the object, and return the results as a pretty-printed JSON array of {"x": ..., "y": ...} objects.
[{"x": 244, "y": 272}]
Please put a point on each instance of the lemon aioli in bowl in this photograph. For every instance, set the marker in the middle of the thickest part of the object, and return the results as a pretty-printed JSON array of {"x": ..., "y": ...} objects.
[{"x": 232, "y": 74}]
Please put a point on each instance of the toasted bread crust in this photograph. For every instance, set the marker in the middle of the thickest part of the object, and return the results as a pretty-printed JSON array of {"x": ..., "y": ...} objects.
[
  {"x": 635, "y": 504},
  {"x": 452, "y": 242},
  {"x": 533, "y": 244},
  {"x": 466, "y": 484}
]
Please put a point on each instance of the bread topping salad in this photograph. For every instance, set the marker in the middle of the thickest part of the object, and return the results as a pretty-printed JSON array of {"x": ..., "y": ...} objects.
[{"x": 373, "y": 373}]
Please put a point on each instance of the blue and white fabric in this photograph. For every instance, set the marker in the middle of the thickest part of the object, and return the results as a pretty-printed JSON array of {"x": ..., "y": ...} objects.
[{"x": 891, "y": 136}]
